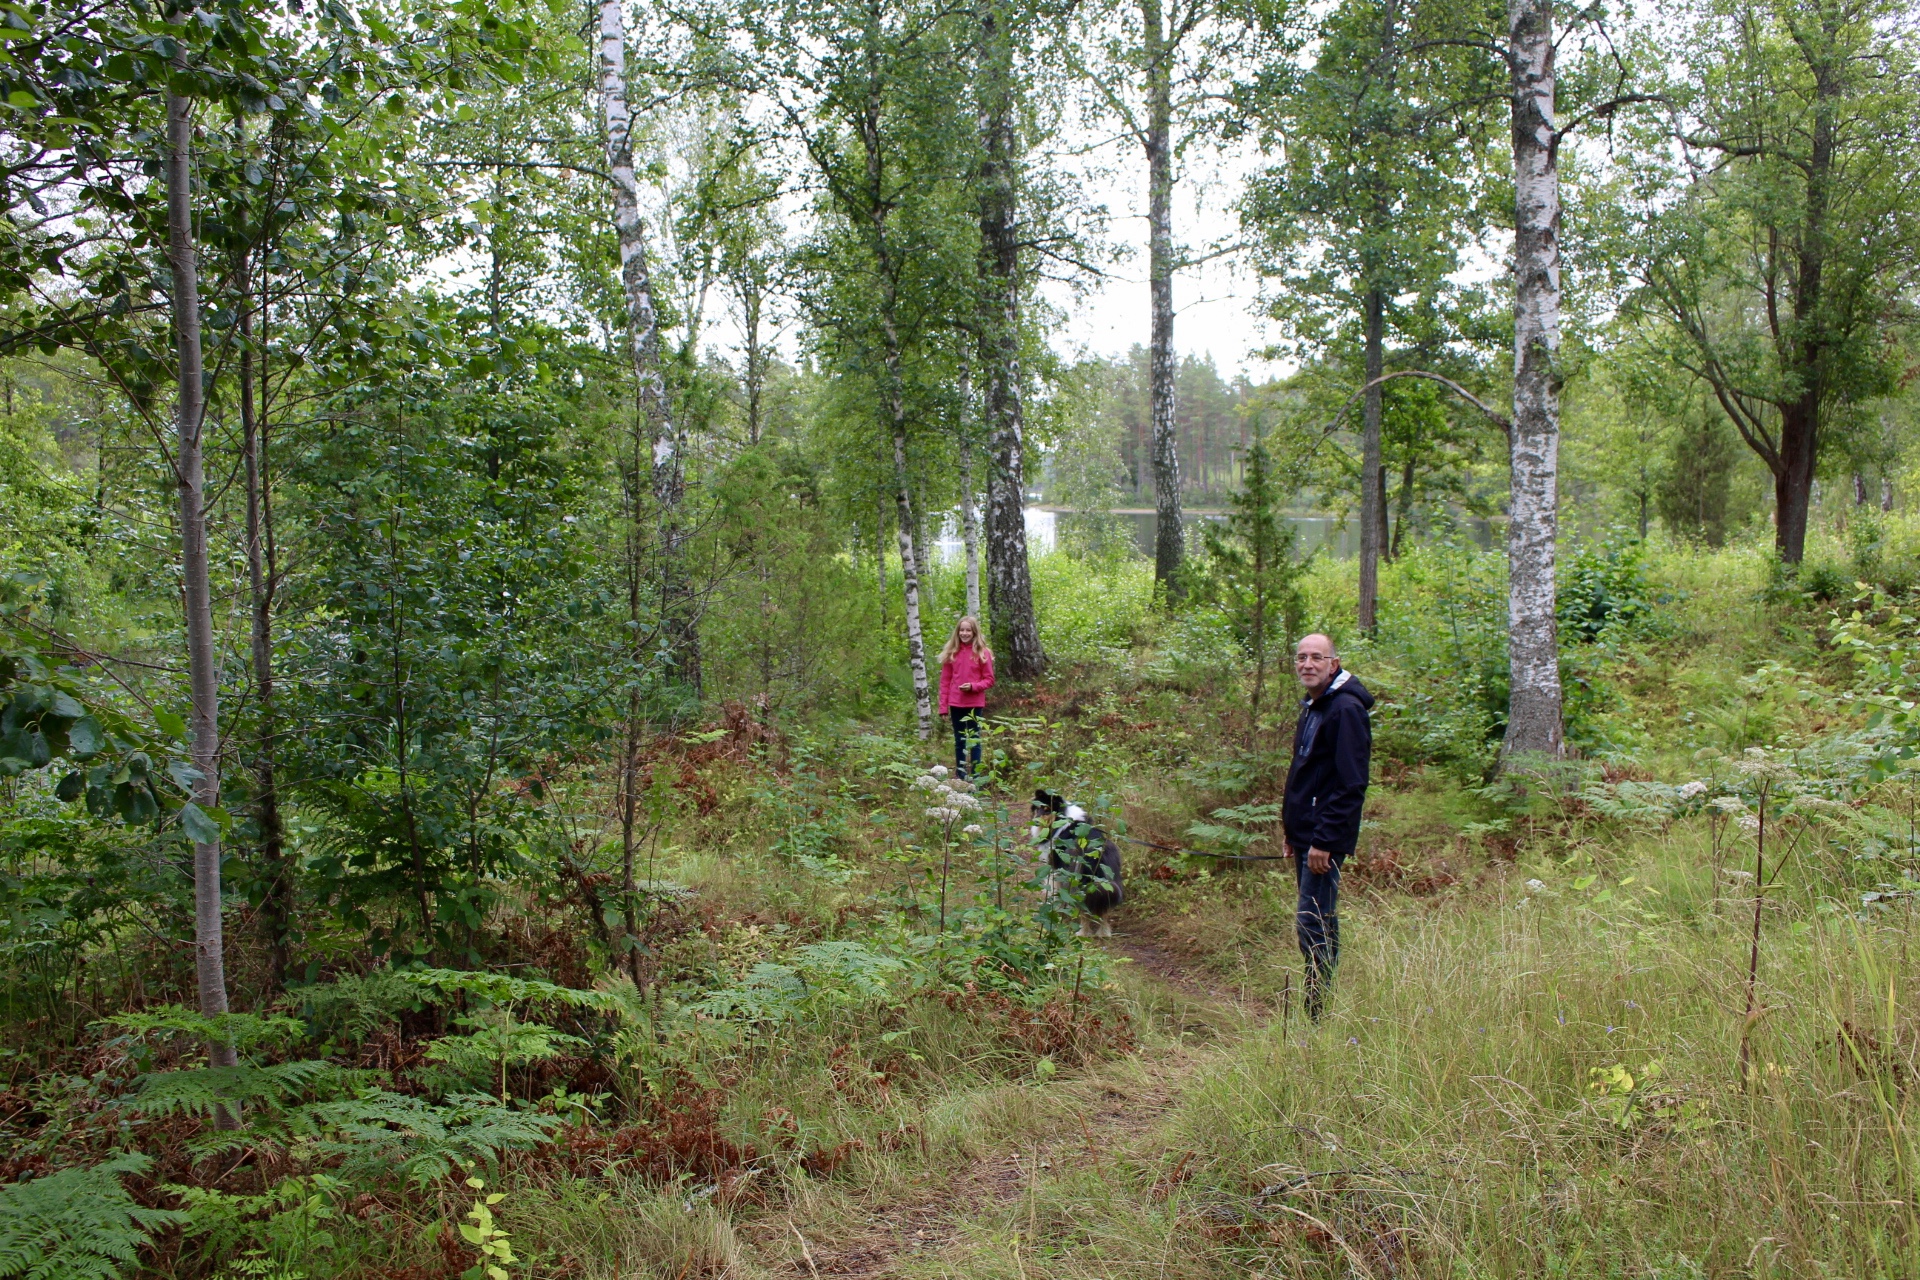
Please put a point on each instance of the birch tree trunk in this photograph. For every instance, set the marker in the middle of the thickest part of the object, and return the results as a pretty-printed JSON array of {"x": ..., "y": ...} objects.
[
  {"x": 1371, "y": 506},
  {"x": 203, "y": 676},
  {"x": 969, "y": 515},
  {"x": 1534, "y": 709},
  {"x": 276, "y": 903},
  {"x": 643, "y": 332},
  {"x": 1169, "y": 538},
  {"x": 1010, "y": 585},
  {"x": 909, "y": 566}
]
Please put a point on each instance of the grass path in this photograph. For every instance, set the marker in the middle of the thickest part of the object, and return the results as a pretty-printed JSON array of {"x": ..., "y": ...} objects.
[{"x": 1105, "y": 1117}]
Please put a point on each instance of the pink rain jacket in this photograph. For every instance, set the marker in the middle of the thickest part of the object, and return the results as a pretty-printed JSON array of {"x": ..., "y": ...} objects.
[{"x": 964, "y": 668}]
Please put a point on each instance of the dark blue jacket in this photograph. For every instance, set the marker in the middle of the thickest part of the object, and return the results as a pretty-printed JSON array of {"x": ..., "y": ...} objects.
[{"x": 1327, "y": 781}]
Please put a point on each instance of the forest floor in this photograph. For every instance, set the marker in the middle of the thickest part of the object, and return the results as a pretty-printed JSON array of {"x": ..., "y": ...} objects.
[{"x": 1103, "y": 1118}]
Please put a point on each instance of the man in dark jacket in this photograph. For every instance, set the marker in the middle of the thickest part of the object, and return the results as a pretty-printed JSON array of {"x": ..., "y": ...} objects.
[{"x": 1326, "y": 787}]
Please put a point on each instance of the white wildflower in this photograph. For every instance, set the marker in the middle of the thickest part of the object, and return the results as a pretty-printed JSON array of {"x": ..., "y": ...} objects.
[
  {"x": 938, "y": 771},
  {"x": 925, "y": 783},
  {"x": 1748, "y": 822},
  {"x": 1729, "y": 804},
  {"x": 1535, "y": 886},
  {"x": 940, "y": 813},
  {"x": 973, "y": 829},
  {"x": 1688, "y": 791}
]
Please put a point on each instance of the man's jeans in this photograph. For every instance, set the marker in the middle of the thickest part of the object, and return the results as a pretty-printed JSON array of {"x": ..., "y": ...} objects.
[{"x": 1316, "y": 923}]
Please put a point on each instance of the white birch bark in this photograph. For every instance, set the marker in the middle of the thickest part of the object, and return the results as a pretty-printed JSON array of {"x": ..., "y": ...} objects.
[
  {"x": 969, "y": 514},
  {"x": 1169, "y": 541},
  {"x": 1534, "y": 725},
  {"x": 1016, "y": 630},
  {"x": 643, "y": 333},
  {"x": 203, "y": 676},
  {"x": 1371, "y": 498},
  {"x": 909, "y": 566}
]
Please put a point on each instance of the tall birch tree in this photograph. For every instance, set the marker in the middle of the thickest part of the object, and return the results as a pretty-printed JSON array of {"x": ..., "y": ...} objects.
[
  {"x": 1379, "y": 148},
  {"x": 1010, "y": 584},
  {"x": 667, "y": 442},
  {"x": 1158, "y": 60},
  {"x": 1535, "y": 725},
  {"x": 870, "y": 99}
]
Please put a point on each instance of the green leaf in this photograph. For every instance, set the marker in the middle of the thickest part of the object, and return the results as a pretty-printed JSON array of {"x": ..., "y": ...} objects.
[
  {"x": 85, "y": 738},
  {"x": 200, "y": 827},
  {"x": 170, "y": 724}
]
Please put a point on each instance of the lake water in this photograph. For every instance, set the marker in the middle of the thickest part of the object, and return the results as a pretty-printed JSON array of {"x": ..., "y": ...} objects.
[{"x": 1329, "y": 535}]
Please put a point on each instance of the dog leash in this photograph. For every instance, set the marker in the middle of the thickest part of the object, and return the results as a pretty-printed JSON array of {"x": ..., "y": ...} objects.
[{"x": 1202, "y": 853}]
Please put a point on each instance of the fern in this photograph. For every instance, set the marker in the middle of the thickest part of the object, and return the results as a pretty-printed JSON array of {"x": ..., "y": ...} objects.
[
  {"x": 498, "y": 988},
  {"x": 78, "y": 1224},
  {"x": 379, "y": 1133},
  {"x": 204, "y": 1090},
  {"x": 768, "y": 993},
  {"x": 354, "y": 1006},
  {"x": 1235, "y": 838},
  {"x": 849, "y": 968},
  {"x": 497, "y": 1043},
  {"x": 244, "y": 1031}
]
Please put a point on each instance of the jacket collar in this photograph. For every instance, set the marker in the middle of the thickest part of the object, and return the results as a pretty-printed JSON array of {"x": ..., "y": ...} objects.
[{"x": 1340, "y": 678}]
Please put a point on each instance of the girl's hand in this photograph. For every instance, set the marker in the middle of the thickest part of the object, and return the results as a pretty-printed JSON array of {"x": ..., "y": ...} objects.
[{"x": 966, "y": 687}]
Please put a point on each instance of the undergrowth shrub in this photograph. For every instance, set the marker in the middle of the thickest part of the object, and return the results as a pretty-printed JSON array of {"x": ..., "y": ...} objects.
[{"x": 76, "y": 1224}]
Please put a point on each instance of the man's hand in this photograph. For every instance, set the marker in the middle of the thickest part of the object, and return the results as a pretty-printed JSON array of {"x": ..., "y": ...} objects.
[{"x": 1319, "y": 861}]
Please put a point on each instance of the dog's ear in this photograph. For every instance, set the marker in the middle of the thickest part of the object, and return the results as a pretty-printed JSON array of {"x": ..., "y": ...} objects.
[{"x": 1051, "y": 801}]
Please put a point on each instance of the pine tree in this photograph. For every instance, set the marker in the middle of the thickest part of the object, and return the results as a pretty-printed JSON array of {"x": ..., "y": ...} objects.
[{"x": 1252, "y": 574}]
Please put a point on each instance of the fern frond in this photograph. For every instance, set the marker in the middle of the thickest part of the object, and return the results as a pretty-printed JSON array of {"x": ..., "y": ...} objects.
[
  {"x": 243, "y": 1031},
  {"x": 78, "y": 1224},
  {"x": 380, "y": 1132},
  {"x": 499, "y": 988},
  {"x": 204, "y": 1090}
]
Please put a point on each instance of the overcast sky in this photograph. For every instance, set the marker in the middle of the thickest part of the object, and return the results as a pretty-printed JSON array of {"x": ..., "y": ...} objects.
[{"x": 1216, "y": 302}]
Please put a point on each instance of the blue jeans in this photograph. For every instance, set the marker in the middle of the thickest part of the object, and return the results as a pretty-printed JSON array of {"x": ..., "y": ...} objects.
[
  {"x": 1316, "y": 925},
  {"x": 966, "y": 739}
]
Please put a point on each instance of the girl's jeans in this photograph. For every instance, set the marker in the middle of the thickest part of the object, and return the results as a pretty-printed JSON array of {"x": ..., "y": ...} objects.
[{"x": 966, "y": 739}]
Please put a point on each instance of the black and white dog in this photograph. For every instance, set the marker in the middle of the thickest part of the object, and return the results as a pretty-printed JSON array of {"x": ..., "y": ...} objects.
[{"x": 1085, "y": 861}]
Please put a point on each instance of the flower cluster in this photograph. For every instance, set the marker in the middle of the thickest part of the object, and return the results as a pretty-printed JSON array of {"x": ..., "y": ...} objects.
[{"x": 952, "y": 801}]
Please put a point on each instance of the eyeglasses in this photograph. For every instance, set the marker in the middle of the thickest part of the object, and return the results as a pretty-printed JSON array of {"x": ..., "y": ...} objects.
[{"x": 1302, "y": 659}]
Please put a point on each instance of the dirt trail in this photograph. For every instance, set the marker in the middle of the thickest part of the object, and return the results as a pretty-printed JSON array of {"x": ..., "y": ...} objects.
[{"x": 1116, "y": 1115}]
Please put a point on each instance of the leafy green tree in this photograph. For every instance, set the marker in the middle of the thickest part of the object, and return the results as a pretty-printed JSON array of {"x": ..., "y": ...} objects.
[
  {"x": 1780, "y": 236},
  {"x": 892, "y": 274},
  {"x": 1379, "y": 188}
]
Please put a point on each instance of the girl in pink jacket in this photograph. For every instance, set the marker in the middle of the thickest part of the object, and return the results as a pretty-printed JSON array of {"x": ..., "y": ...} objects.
[{"x": 966, "y": 673}]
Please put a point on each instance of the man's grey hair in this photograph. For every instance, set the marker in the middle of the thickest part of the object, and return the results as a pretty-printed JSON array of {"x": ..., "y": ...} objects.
[{"x": 1333, "y": 650}]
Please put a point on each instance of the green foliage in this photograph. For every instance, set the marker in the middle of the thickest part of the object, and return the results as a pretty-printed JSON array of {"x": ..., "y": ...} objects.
[
  {"x": 377, "y": 1134},
  {"x": 1251, "y": 573},
  {"x": 494, "y": 1244},
  {"x": 1695, "y": 497},
  {"x": 1604, "y": 591},
  {"x": 1229, "y": 832},
  {"x": 495, "y": 1042},
  {"x": 1091, "y": 610},
  {"x": 207, "y": 1091},
  {"x": 501, "y": 988},
  {"x": 289, "y": 1224},
  {"x": 820, "y": 975},
  {"x": 76, "y": 1224}
]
